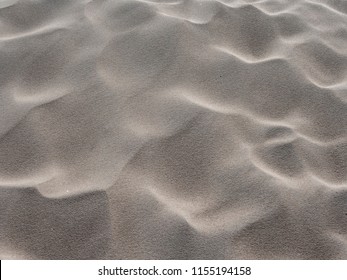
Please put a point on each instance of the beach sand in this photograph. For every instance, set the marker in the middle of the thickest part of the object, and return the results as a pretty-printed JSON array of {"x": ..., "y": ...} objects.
[{"x": 173, "y": 129}]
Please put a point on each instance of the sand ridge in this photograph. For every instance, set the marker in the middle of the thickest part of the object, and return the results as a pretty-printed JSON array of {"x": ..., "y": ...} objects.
[{"x": 173, "y": 129}]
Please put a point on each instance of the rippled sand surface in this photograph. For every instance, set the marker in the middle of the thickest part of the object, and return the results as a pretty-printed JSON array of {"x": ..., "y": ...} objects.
[{"x": 173, "y": 129}]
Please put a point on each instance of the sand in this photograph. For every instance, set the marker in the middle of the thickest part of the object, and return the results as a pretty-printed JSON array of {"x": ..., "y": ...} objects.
[{"x": 173, "y": 129}]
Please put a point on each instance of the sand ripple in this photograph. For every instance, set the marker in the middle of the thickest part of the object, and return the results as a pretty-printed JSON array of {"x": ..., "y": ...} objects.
[{"x": 173, "y": 129}]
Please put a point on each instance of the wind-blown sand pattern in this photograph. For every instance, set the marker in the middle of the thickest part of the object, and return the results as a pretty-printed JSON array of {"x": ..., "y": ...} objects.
[{"x": 173, "y": 129}]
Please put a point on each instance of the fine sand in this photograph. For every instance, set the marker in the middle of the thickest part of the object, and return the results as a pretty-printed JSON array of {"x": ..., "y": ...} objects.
[{"x": 173, "y": 129}]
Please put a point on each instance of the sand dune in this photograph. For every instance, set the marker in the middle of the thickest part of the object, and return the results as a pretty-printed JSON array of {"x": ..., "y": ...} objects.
[{"x": 173, "y": 129}]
